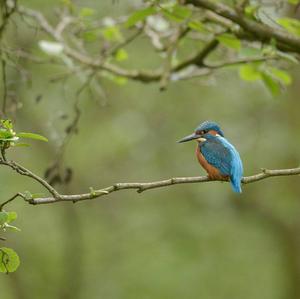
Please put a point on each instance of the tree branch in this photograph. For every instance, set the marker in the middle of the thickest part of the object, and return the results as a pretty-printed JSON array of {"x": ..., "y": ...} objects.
[
  {"x": 145, "y": 76},
  {"x": 140, "y": 187},
  {"x": 261, "y": 31},
  {"x": 239, "y": 61},
  {"x": 170, "y": 51},
  {"x": 198, "y": 59},
  {"x": 177, "y": 72},
  {"x": 8, "y": 8}
]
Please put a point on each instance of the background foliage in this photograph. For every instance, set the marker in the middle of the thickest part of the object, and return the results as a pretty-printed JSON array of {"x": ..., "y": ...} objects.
[{"x": 187, "y": 241}]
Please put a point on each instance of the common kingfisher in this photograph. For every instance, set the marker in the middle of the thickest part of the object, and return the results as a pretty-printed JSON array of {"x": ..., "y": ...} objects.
[{"x": 217, "y": 155}]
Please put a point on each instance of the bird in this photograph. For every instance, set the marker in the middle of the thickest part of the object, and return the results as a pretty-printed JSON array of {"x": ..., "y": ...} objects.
[{"x": 216, "y": 154}]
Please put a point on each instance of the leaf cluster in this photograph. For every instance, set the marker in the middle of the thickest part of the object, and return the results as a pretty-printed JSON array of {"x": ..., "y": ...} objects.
[
  {"x": 9, "y": 259},
  {"x": 10, "y": 138}
]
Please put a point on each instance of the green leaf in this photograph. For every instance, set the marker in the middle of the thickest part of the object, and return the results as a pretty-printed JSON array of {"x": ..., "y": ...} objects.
[
  {"x": 294, "y": 2},
  {"x": 68, "y": 4},
  {"x": 229, "y": 41},
  {"x": 112, "y": 33},
  {"x": 6, "y": 134},
  {"x": 37, "y": 195},
  {"x": 7, "y": 124},
  {"x": 3, "y": 217},
  {"x": 177, "y": 13},
  {"x": 20, "y": 144},
  {"x": 11, "y": 216},
  {"x": 120, "y": 80},
  {"x": 9, "y": 260},
  {"x": 250, "y": 72},
  {"x": 86, "y": 12},
  {"x": 250, "y": 52},
  {"x": 198, "y": 26},
  {"x": 140, "y": 15},
  {"x": 32, "y": 136},
  {"x": 291, "y": 25},
  {"x": 182, "y": 12},
  {"x": 90, "y": 36},
  {"x": 121, "y": 55},
  {"x": 281, "y": 75},
  {"x": 117, "y": 79},
  {"x": 251, "y": 10},
  {"x": 272, "y": 84}
]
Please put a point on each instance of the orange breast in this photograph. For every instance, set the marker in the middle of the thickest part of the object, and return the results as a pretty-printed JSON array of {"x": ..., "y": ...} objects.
[{"x": 212, "y": 171}]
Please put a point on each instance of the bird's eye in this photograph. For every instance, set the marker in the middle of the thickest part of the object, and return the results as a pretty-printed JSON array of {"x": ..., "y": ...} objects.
[{"x": 201, "y": 132}]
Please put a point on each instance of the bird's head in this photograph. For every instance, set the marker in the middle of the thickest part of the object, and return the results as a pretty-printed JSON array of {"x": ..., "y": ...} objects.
[{"x": 206, "y": 128}]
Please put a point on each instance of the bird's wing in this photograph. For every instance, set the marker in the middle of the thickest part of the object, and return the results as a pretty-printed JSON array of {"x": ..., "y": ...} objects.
[{"x": 218, "y": 154}]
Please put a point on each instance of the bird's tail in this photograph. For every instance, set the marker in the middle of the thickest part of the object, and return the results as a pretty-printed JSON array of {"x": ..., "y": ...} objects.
[{"x": 236, "y": 185}]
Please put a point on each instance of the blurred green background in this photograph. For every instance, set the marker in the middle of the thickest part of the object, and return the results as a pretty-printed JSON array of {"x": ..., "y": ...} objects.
[{"x": 186, "y": 241}]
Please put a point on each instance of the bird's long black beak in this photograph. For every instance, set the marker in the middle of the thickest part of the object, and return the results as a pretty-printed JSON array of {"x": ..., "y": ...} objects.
[{"x": 188, "y": 138}]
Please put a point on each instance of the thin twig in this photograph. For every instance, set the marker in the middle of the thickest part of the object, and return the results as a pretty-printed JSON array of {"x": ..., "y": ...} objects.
[
  {"x": 11, "y": 199},
  {"x": 52, "y": 173},
  {"x": 4, "y": 82},
  {"x": 8, "y": 8},
  {"x": 112, "y": 51},
  {"x": 239, "y": 61},
  {"x": 170, "y": 52}
]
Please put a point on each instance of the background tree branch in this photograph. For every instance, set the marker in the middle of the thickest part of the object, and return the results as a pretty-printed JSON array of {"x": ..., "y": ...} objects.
[
  {"x": 219, "y": 13},
  {"x": 261, "y": 31}
]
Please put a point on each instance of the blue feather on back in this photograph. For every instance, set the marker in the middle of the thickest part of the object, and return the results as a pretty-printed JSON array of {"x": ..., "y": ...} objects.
[{"x": 223, "y": 155}]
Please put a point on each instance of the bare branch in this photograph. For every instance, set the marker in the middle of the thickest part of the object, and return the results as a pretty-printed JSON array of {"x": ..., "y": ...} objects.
[{"x": 140, "y": 187}]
